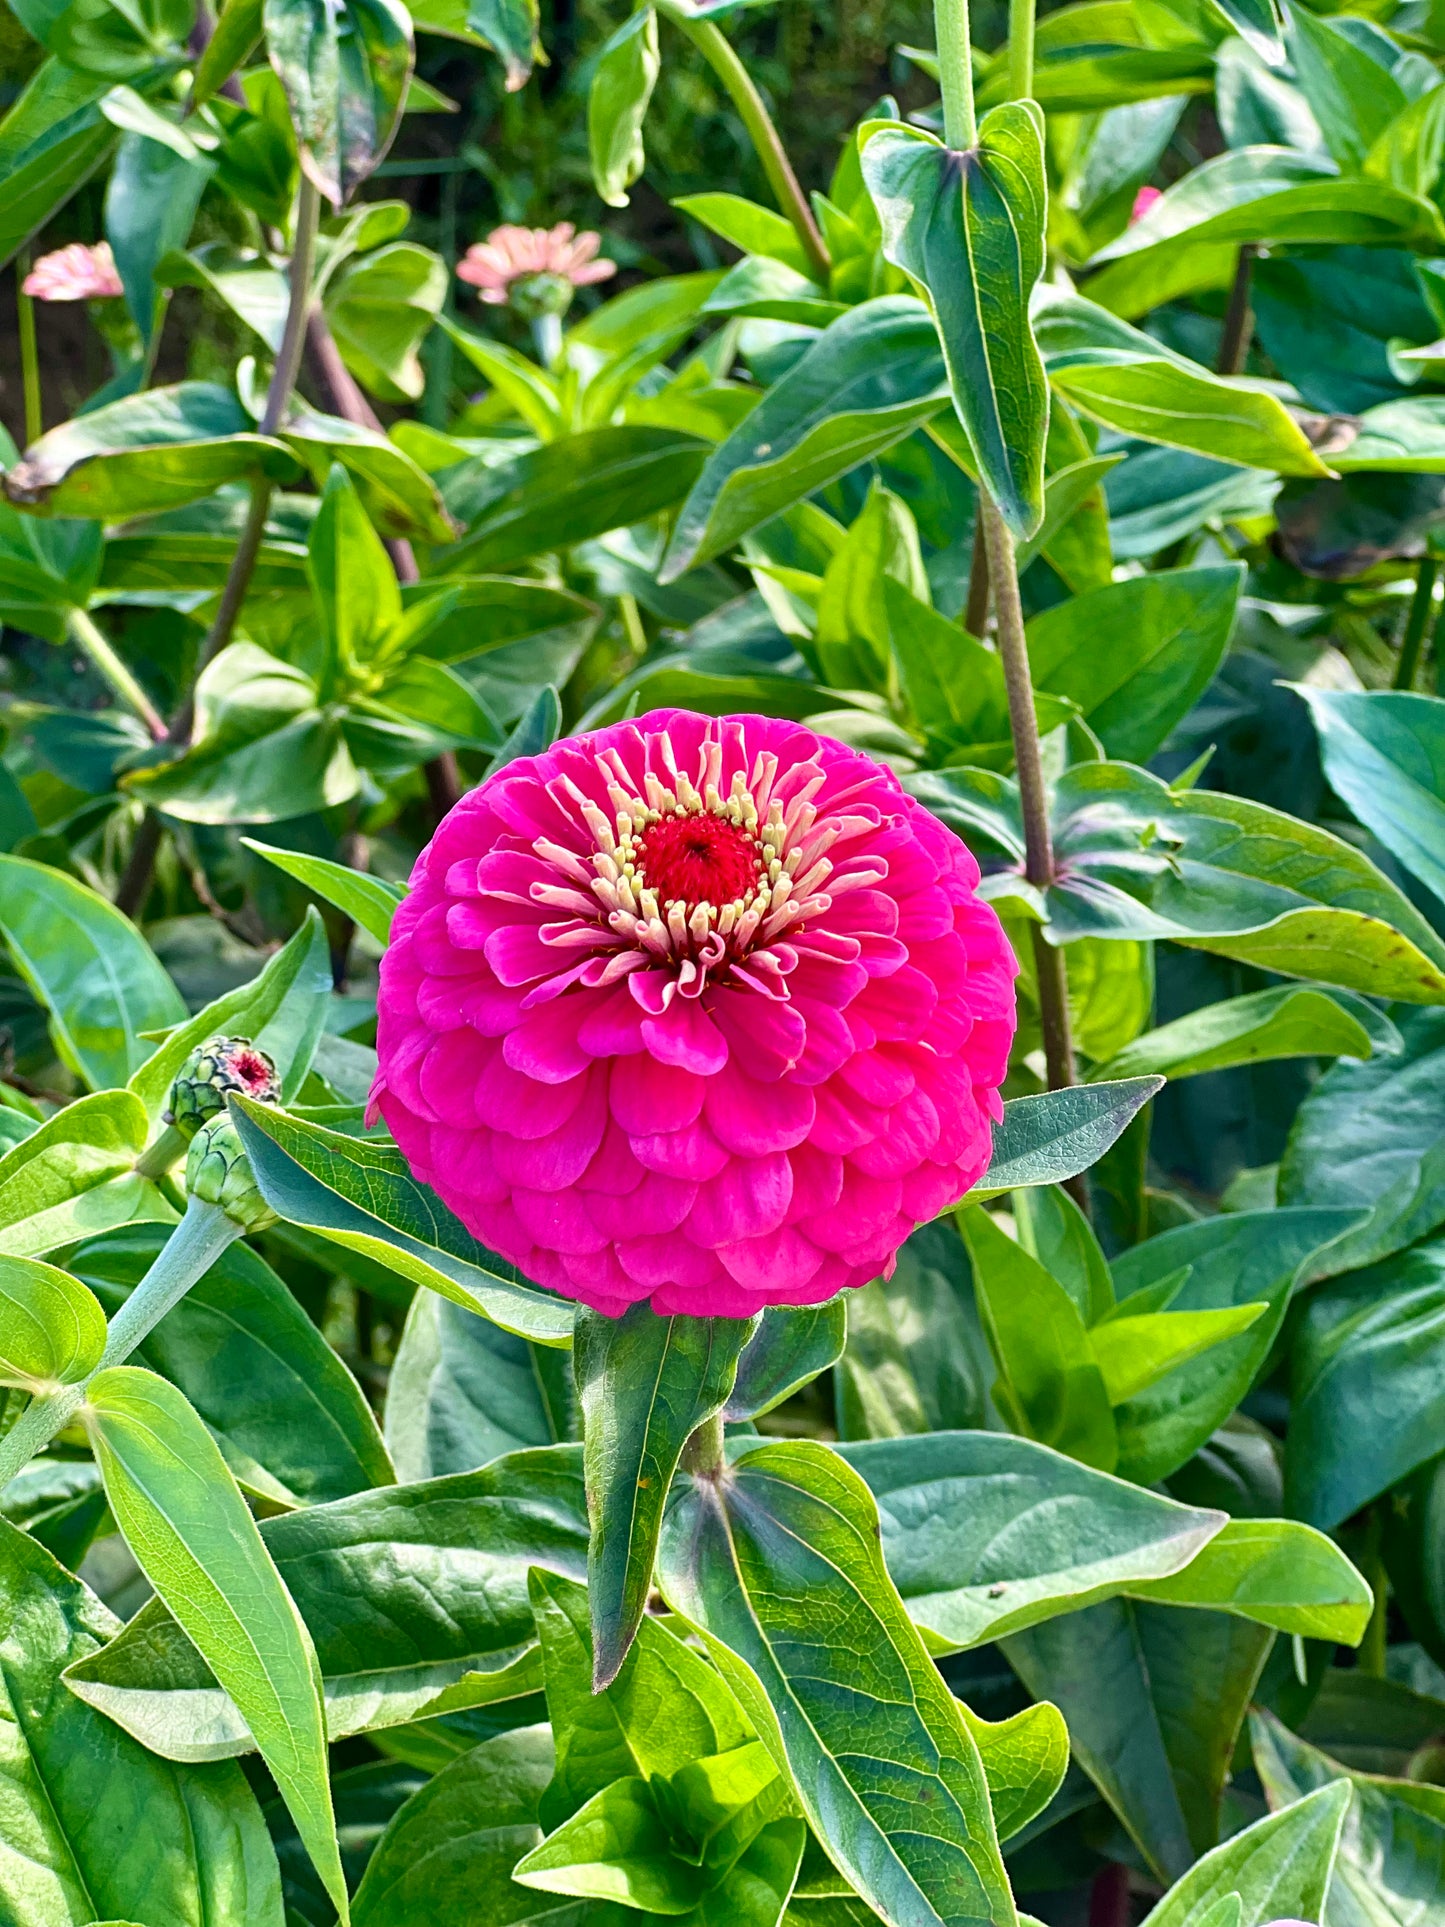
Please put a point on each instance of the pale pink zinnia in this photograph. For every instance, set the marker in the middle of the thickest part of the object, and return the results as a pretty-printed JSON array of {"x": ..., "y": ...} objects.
[
  {"x": 701, "y": 1012},
  {"x": 514, "y": 253},
  {"x": 76, "y": 273}
]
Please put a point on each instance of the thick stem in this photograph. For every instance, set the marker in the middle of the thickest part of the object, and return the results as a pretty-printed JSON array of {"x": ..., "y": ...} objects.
[
  {"x": 1422, "y": 604},
  {"x": 29, "y": 353},
  {"x": 135, "y": 882},
  {"x": 547, "y": 339},
  {"x": 703, "y": 1453},
  {"x": 1021, "y": 48},
  {"x": 1052, "y": 977},
  {"x": 720, "y": 55},
  {"x": 1109, "y": 1897},
  {"x": 89, "y": 640},
  {"x": 188, "y": 1254},
  {"x": 157, "y": 1158},
  {"x": 955, "y": 72},
  {"x": 1238, "y": 317},
  {"x": 443, "y": 783},
  {"x": 1375, "y": 1644}
]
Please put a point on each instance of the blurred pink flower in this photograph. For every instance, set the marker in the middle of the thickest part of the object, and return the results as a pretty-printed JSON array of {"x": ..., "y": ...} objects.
[
  {"x": 1143, "y": 201},
  {"x": 512, "y": 254},
  {"x": 76, "y": 273}
]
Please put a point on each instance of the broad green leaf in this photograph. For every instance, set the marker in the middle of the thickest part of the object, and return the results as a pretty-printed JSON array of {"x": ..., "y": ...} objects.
[
  {"x": 644, "y": 1383},
  {"x": 360, "y": 1194},
  {"x": 238, "y": 29},
  {"x": 617, "y": 1848},
  {"x": 51, "y": 141},
  {"x": 791, "y": 1346},
  {"x": 1368, "y": 1136},
  {"x": 186, "y": 1522},
  {"x": 392, "y": 1647},
  {"x": 345, "y": 71},
  {"x": 52, "y": 1331},
  {"x": 1134, "y": 1351},
  {"x": 751, "y": 228},
  {"x": 1051, "y": 1386},
  {"x": 150, "y": 202},
  {"x": 968, "y": 230},
  {"x": 1053, "y": 1137},
  {"x": 89, "y": 966},
  {"x": 400, "y": 497},
  {"x": 489, "y": 612},
  {"x": 859, "y": 388},
  {"x": 380, "y": 309},
  {"x": 1349, "y": 86},
  {"x": 1239, "y": 1258},
  {"x": 70, "y": 1845},
  {"x": 985, "y": 1533},
  {"x": 1384, "y": 754},
  {"x": 1368, "y": 1390},
  {"x": 1136, "y": 656},
  {"x": 1276, "y": 1571},
  {"x": 575, "y": 488},
  {"x": 449, "y": 1851},
  {"x": 249, "y": 285},
  {"x": 1052, "y": 1228},
  {"x": 1280, "y": 1867},
  {"x": 1154, "y": 1700},
  {"x": 778, "y": 1567},
  {"x": 353, "y": 585},
  {"x": 144, "y": 454},
  {"x": 666, "y": 1708},
  {"x": 617, "y": 102},
  {"x": 517, "y": 380},
  {"x": 290, "y": 1420},
  {"x": 462, "y": 1391},
  {"x": 1392, "y": 1848},
  {"x": 1024, "y": 1760},
  {"x": 1398, "y": 437},
  {"x": 1290, "y": 1021}
]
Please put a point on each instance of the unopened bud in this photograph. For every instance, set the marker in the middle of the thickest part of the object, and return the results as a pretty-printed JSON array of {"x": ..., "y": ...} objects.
[
  {"x": 218, "y": 1172},
  {"x": 213, "y": 1070}
]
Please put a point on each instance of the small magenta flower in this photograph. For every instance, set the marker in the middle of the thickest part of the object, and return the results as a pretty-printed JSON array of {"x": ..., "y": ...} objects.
[
  {"x": 701, "y": 1012},
  {"x": 75, "y": 273},
  {"x": 1143, "y": 201},
  {"x": 536, "y": 269}
]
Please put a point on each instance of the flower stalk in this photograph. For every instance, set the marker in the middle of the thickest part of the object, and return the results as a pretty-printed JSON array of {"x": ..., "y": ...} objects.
[
  {"x": 87, "y": 637},
  {"x": 29, "y": 353}
]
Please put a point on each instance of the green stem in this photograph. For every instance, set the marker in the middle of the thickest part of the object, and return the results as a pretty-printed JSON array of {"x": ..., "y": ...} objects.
[
  {"x": 1021, "y": 49},
  {"x": 89, "y": 640},
  {"x": 721, "y": 56},
  {"x": 1374, "y": 1645},
  {"x": 703, "y": 1453},
  {"x": 955, "y": 72},
  {"x": 159, "y": 1157},
  {"x": 1422, "y": 604},
  {"x": 188, "y": 1254},
  {"x": 1239, "y": 317},
  {"x": 29, "y": 353}
]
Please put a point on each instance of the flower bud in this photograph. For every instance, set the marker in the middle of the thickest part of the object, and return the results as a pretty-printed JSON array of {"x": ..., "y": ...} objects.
[
  {"x": 218, "y": 1172},
  {"x": 220, "y": 1065}
]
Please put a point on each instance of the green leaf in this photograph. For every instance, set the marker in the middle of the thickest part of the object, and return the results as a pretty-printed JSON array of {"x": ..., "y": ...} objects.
[
  {"x": 1290, "y": 1021},
  {"x": 462, "y": 1391},
  {"x": 1384, "y": 754},
  {"x": 1137, "y": 655},
  {"x": 380, "y": 309},
  {"x": 399, "y": 1650},
  {"x": 345, "y": 71},
  {"x": 1024, "y": 1760},
  {"x": 1052, "y": 1228},
  {"x": 89, "y": 966},
  {"x": 789, "y": 1349},
  {"x": 70, "y": 1848},
  {"x": 1051, "y": 1386},
  {"x": 251, "y": 288},
  {"x": 144, "y": 454},
  {"x": 1276, "y": 1571},
  {"x": 778, "y": 1566},
  {"x": 1239, "y": 1258},
  {"x": 1280, "y": 1867},
  {"x": 1054, "y": 1136},
  {"x": 51, "y": 141},
  {"x": 645, "y": 1384},
  {"x": 192, "y": 1534},
  {"x": 750, "y": 228},
  {"x": 52, "y": 1331},
  {"x": 1368, "y": 1392},
  {"x": 985, "y": 1533},
  {"x": 449, "y": 1851},
  {"x": 401, "y": 499},
  {"x": 968, "y": 230},
  {"x": 353, "y": 584},
  {"x": 150, "y": 202},
  {"x": 360, "y": 1194},
  {"x": 238, "y": 30},
  {"x": 369, "y": 901},
  {"x": 617, "y": 1848},
  {"x": 575, "y": 488},
  {"x": 617, "y": 102},
  {"x": 482, "y": 613},
  {"x": 1135, "y": 1351},
  {"x": 290, "y": 1420},
  {"x": 1349, "y": 86},
  {"x": 508, "y": 27},
  {"x": 859, "y": 388}
]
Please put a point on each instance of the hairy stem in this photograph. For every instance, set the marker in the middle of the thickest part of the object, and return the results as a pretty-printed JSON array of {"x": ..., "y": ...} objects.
[
  {"x": 188, "y": 1254},
  {"x": 29, "y": 353},
  {"x": 720, "y": 55},
  {"x": 1021, "y": 48},
  {"x": 1422, "y": 605},
  {"x": 955, "y": 72},
  {"x": 1238, "y": 317},
  {"x": 92, "y": 644}
]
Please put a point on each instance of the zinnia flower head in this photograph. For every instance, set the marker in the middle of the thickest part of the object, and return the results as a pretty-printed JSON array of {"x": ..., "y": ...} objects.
[
  {"x": 76, "y": 273},
  {"x": 537, "y": 269},
  {"x": 1143, "y": 201},
  {"x": 695, "y": 1011}
]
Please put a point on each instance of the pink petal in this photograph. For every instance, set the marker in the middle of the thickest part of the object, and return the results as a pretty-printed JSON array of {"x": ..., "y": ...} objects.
[
  {"x": 752, "y": 1118},
  {"x": 648, "y": 1096},
  {"x": 747, "y": 1199}
]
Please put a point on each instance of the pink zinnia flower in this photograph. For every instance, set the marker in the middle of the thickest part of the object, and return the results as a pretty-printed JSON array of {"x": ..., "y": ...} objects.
[
  {"x": 696, "y": 1011},
  {"x": 1143, "y": 201},
  {"x": 511, "y": 254},
  {"x": 76, "y": 273}
]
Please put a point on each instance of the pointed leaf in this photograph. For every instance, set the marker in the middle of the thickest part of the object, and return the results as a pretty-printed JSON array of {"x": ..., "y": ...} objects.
[
  {"x": 1053, "y": 1137},
  {"x": 52, "y": 1330},
  {"x": 622, "y": 84}
]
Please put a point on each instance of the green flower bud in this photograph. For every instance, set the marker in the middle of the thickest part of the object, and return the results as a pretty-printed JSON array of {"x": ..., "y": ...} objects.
[
  {"x": 219, "y": 1172},
  {"x": 541, "y": 293},
  {"x": 220, "y": 1065}
]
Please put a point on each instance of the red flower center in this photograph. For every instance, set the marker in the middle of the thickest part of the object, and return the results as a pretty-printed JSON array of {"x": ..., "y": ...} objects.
[
  {"x": 251, "y": 1069},
  {"x": 698, "y": 858}
]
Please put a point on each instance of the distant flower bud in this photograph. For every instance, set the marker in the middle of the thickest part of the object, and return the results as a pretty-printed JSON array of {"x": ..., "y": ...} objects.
[{"x": 213, "y": 1069}]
